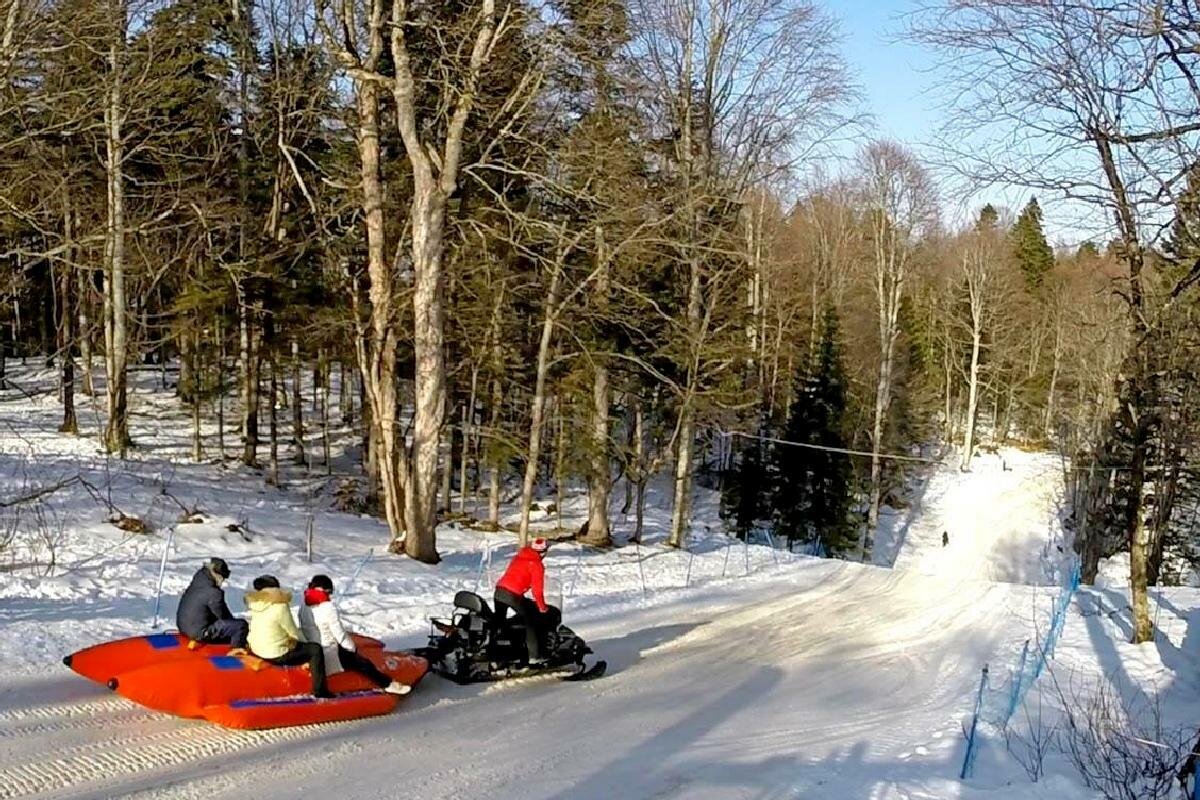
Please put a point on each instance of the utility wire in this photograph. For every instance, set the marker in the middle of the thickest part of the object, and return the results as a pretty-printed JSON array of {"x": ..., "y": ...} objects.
[{"x": 889, "y": 456}]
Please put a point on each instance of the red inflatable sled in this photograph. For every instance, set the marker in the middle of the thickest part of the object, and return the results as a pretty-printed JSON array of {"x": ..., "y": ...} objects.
[{"x": 167, "y": 672}]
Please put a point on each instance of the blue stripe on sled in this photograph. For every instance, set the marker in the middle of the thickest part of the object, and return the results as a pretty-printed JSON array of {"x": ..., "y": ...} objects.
[
  {"x": 298, "y": 701},
  {"x": 227, "y": 663},
  {"x": 163, "y": 641}
]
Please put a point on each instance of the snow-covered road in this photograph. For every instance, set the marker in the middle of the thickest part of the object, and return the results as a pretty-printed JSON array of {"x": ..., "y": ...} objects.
[
  {"x": 736, "y": 673},
  {"x": 834, "y": 680}
]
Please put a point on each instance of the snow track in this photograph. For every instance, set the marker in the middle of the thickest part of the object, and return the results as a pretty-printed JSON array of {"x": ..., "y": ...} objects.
[
  {"x": 715, "y": 695},
  {"x": 78, "y": 749}
]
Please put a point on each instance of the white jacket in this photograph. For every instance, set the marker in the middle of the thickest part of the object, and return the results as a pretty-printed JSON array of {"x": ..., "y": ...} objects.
[{"x": 321, "y": 624}]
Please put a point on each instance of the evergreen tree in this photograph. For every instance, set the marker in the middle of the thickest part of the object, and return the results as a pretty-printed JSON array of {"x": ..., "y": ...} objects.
[
  {"x": 1183, "y": 243},
  {"x": 1033, "y": 253},
  {"x": 746, "y": 494},
  {"x": 812, "y": 487},
  {"x": 989, "y": 218}
]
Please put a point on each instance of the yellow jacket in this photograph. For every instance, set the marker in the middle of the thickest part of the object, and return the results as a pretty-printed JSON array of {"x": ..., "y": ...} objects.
[{"x": 272, "y": 630}]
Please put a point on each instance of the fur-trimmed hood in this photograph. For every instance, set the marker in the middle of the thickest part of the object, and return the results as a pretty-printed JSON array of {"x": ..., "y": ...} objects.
[{"x": 260, "y": 599}]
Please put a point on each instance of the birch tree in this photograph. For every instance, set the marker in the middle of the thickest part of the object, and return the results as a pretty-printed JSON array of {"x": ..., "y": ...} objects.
[{"x": 899, "y": 203}]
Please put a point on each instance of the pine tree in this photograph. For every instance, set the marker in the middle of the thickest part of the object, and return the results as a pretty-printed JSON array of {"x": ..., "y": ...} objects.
[
  {"x": 989, "y": 218},
  {"x": 1033, "y": 253},
  {"x": 812, "y": 487},
  {"x": 746, "y": 496}
]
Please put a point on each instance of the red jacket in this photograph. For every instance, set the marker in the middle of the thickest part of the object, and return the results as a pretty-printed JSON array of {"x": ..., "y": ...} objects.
[{"x": 526, "y": 572}]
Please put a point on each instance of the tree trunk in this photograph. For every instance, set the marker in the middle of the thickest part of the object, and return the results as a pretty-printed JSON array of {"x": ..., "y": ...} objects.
[
  {"x": 496, "y": 470},
  {"x": 560, "y": 462},
  {"x": 468, "y": 425},
  {"x": 345, "y": 394},
  {"x": 883, "y": 396},
  {"x": 196, "y": 395},
  {"x": 248, "y": 355},
  {"x": 82, "y": 300},
  {"x": 637, "y": 440},
  {"x": 948, "y": 398},
  {"x": 220, "y": 334},
  {"x": 66, "y": 316},
  {"x": 323, "y": 368},
  {"x": 379, "y": 361},
  {"x": 599, "y": 532},
  {"x": 496, "y": 467},
  {"x": 1048, "y": 425},
  {"x": 116, "y": 433},
  {"x": 600, "y": 483},
  {"x": 539, "y": 403},
  {"x": 447, "y": 472},
  {"x": 642, "y": 471},
  {"x": 681, "y": 509},
  {"x": 972, "y": 399},
  {"x": 297, "y": 407},
  {"x": 1139, "y": 547},
  {"x": 272, "y": 405},
  {"x": 428, "y": 222}
]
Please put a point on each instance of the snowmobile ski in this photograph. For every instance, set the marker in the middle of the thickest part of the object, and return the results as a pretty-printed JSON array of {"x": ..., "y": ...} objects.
[{"x": 596, "y": 670}]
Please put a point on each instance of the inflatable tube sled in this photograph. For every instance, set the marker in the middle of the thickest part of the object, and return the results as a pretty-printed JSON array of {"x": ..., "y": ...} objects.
[
  {"x": 105, "y": 661},
  {"x": 245, "y": 691}
]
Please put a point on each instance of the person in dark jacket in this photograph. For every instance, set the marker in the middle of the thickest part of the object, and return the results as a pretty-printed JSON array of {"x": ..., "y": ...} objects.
[
  {"x": 203, "y": 615},
  {"x": 525, "y": 573}
]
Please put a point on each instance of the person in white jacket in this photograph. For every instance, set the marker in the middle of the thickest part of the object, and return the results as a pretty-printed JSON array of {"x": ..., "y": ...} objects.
[{"x": 320, "y": 623}]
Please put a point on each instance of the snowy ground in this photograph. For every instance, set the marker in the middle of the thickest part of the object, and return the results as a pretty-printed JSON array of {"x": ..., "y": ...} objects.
[{"x": 737, "y": 673}]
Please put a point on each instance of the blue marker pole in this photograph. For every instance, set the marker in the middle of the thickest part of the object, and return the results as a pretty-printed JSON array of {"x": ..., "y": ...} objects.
[
  {"x": 358, "y": 570},
  {"x": 162, "y": 569}
]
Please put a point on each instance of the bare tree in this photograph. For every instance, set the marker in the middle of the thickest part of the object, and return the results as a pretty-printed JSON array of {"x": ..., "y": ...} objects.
[
  {"x": 984, "y": 273},
  {"x": 900, "y": 205},
  {"x": 745, "y": 89},
  {"x": 1096, "y": 103}
]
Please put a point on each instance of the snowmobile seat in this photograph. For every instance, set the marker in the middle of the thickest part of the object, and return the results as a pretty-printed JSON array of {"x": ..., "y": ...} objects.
[{"x": 469, "y": 601}]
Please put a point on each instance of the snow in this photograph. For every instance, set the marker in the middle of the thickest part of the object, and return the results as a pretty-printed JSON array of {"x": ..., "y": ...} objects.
[{"x": 734, "y": 671}]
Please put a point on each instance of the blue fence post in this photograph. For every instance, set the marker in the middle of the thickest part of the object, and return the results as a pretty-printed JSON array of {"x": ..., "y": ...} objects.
[
  {"x": 484, "y": 555},
  {"x": 687, "y": 581},
  {"x": 641, "y": 569},
  {"x": 162, "y": 569},
  {"x": 1015, "y": 699},
  {"x": 574, "y": 575},
  {"x": 969, "y": 758},
  {"x": 358, "y": 570},
  {"x": 771, "y": 542}
]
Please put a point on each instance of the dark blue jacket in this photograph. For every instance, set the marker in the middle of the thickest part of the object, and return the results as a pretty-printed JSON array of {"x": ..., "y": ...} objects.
[{"x": 202, "y": 604}]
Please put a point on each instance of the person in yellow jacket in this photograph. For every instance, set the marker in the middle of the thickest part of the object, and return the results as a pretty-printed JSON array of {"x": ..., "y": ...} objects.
[{"x": 274, "y": 636}]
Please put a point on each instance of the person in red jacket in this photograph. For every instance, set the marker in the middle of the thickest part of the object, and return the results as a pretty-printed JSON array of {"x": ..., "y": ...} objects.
[{"x": 525, "y": 573}]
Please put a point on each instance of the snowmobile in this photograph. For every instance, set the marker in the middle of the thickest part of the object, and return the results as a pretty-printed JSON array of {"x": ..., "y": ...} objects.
[{"x": 475, "y": 645}]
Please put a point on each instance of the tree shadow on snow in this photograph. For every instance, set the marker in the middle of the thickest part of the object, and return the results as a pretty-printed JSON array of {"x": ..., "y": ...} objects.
[
  {"x": 622, "y": 653},
  {"x": 630, "y": 765}
]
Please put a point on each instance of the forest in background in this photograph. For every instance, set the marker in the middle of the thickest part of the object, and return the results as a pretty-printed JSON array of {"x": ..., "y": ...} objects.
[{"x": 580, "y": 241}]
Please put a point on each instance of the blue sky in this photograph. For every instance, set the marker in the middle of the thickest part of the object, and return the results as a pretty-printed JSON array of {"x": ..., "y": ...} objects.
[
  {"x": 896, "y": 79},
  {"x": 891, "y": 73}
]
